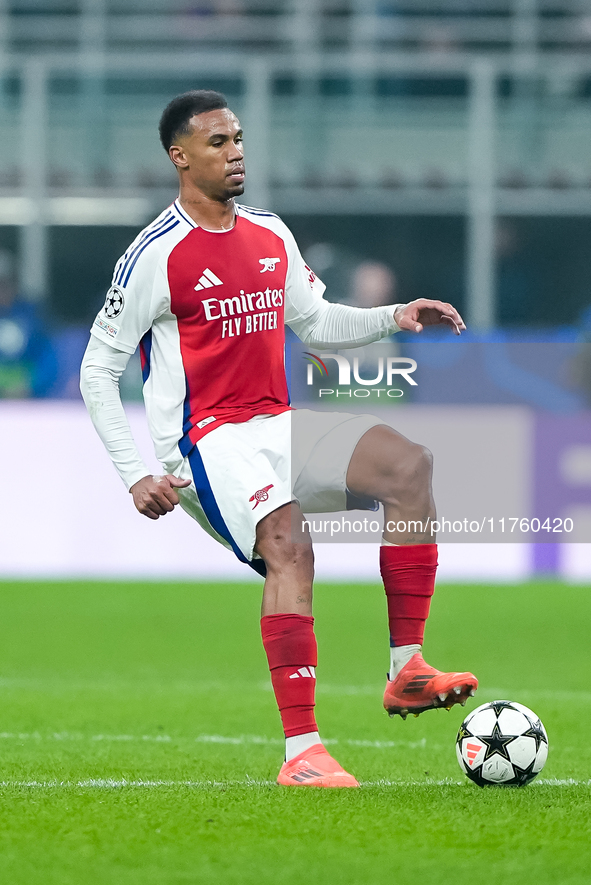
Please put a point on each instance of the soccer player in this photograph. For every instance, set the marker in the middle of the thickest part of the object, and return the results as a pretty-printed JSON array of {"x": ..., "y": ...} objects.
[{"x": 205, "y": 291}]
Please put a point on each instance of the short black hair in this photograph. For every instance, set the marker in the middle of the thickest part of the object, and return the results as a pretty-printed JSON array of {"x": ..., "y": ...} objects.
[{"x": 177, "y": 113}]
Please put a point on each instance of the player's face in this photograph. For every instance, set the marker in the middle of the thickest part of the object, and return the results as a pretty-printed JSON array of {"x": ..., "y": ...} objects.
[{"x": 213, "y": 154}]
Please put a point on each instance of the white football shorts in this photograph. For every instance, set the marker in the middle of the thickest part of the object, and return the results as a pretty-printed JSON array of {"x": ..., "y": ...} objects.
[{"x": 241, "y": 472}]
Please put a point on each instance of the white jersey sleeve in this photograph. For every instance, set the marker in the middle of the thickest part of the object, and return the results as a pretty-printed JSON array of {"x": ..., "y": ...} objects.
[
  {"x": 139, "y": 293},
  {"x": 321, "y": 323},
  {"x": 101, "y": 369}
]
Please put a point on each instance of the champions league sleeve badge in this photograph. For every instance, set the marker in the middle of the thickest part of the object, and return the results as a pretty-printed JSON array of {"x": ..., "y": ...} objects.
[{"x": 114, "y": 302}]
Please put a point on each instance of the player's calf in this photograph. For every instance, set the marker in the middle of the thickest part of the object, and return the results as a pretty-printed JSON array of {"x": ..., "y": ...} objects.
[{"x": 413, "y": 687}]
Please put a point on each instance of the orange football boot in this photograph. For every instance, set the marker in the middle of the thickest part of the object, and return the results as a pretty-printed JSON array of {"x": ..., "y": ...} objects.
[
  {"x": 419, "y": 687},
  {"x": 314, "y": 767}
]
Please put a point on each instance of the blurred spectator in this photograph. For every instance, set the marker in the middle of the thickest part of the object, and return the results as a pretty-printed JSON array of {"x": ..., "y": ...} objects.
[
  {"x": 373, "y": 285},
  {"x": 349, "y": 278},
  {"x": 335, "y": 265},
  {"x": 28, "y": 363},
  {"x": 440, "y": 38}
]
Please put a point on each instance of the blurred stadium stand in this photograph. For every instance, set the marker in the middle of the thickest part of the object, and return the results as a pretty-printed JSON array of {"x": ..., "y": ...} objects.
[{"x": 447, "y": 139}]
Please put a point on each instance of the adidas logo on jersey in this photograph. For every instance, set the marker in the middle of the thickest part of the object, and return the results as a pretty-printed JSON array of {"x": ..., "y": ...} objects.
[
  {"x": 305, "y": 672},
  {"x": 207, "y": 280}
]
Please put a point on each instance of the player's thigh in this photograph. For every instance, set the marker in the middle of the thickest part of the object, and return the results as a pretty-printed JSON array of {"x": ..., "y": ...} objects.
[
  {"x": 322, "y": 446},
  {"x": 386, "y": 462}
]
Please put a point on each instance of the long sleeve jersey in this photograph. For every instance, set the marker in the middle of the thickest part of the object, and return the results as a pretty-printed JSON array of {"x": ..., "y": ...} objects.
[{"x": 208, "y": 311}]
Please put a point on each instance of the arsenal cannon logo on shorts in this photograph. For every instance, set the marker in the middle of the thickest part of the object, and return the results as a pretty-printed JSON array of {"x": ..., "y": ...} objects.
[{"x": 261, "y": 495}]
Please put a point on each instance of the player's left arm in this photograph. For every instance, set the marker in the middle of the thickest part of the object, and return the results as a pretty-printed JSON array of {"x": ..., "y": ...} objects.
[
  {"x": 339, "y": 325},
  {"x": 322, "y": 323}
]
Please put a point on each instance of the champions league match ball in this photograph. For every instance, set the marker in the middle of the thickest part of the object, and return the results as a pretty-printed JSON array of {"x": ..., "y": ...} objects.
[{"x": 502, "y": 743}]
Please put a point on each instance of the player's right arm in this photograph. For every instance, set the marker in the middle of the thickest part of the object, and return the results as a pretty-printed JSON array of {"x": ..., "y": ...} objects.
[{"x": 136, "y": 298}]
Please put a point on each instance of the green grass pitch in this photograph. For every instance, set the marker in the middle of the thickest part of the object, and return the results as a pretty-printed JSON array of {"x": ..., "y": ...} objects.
[{"x": 139, "y": 740}]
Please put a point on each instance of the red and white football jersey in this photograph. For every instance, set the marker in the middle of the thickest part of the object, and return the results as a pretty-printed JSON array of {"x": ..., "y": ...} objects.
[{"x": 208, "y": 310}]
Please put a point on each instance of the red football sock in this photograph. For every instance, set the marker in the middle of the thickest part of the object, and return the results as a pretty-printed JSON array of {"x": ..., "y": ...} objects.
[
  {"x": 292, "y": 654},
  {"x": 408, "y": 573}
]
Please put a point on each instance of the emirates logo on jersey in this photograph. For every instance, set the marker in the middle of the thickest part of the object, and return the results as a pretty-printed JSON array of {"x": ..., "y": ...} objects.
[{"x": 261, "y": 495}]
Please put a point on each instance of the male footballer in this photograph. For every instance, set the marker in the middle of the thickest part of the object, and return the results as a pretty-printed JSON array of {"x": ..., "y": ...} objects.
[{"x": 206, "y": 291}]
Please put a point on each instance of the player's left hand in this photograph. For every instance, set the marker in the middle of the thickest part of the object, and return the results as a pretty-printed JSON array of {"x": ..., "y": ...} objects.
[{"x": 415, "y": 315}]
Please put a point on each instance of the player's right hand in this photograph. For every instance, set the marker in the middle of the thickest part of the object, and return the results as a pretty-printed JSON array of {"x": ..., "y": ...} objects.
[{"x": 155, "y": 496}]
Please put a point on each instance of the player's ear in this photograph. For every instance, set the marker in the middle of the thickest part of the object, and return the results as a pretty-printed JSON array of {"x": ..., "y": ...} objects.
[{"x": 177, "y": 155}]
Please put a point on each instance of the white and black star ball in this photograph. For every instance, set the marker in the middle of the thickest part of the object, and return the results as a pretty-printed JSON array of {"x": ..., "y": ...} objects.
[
  {"x": 114, "y": 302},
  {"x": 502, "y": 743}
]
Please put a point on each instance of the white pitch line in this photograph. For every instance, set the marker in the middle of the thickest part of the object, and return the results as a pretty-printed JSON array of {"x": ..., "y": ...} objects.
[
  {"x": 112, "y": 783},
  {"x": 256, "y": 739},
  {"x": 231, "y": 740},
  {"x": 239, "y": 740},
  {"x": 563, "y": 782}
]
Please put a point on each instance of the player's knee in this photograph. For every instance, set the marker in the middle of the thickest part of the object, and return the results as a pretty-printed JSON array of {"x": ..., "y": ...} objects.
[
  {"x": 282, "y": 553},
  {"x": 413, "y": 471},
  {"x": 418, "y": 464},
  {"x": 424, "y": 460},
  {"x": 282, "y": 544}
]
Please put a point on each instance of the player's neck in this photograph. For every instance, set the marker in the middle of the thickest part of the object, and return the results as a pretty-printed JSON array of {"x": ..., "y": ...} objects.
[{"x": 206, "y": 212}]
